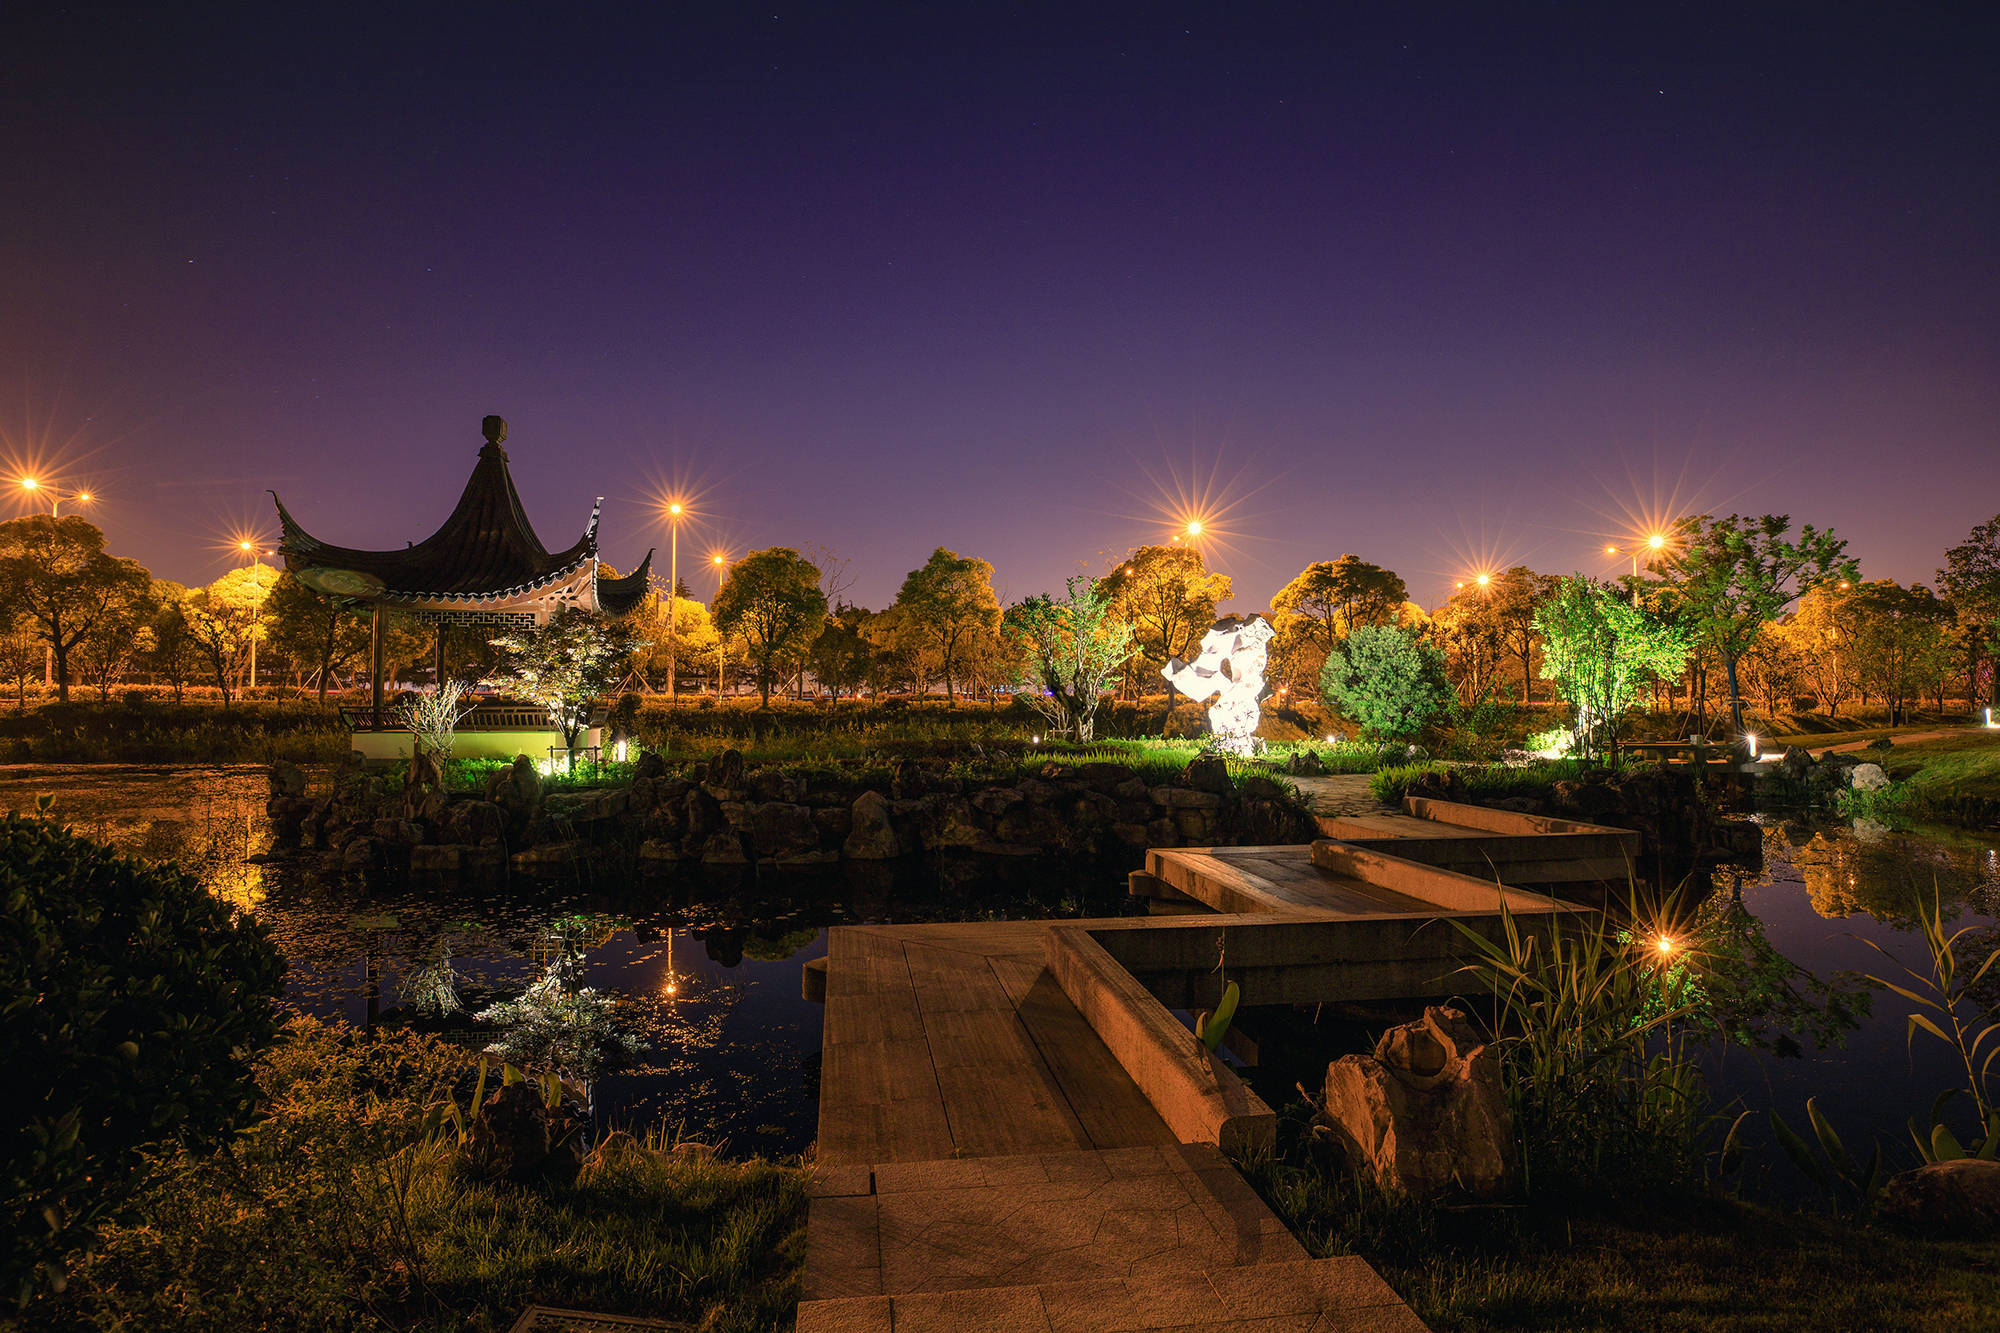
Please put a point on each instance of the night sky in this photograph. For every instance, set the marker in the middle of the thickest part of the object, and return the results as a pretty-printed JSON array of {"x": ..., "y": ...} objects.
[{"x": 1440, "y": 288}]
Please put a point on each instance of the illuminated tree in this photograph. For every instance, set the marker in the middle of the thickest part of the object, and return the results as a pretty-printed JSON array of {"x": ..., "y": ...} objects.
[
  {"x": 694, "y": 638},
  {"x": 1330, "y": 597},
  {"x": 1970, "y": 582},
  {"x": 1773, "y": 668},
  {"x": 1820, "y": 634},
  {"x": 950, "y": 605},
  {"x": 318, "y": 633},
  {"x": 1735, "y": 576},
  {"x": 20, "y": 655},
  {"x": 1599, "y": 650},
  {"x": 119, "y": 638},
  {"x": 171, "y": 651},
  {"x": 1390, "y": 680},
  {"x": 773, "y": 602},
  {"x": 1473, "y": 644},
  {"x": 225, "y": 618},
  {"x": 841, "y": 656},
  {"x": 1509, "y": 603},
  {"x": 1900, "y": 644},
  {"x": 57, "y": 574},
  {"x": 567, "y": 665},
  {"x": 1168, "y": 597},
  {"x": 1068, "y": 647}
]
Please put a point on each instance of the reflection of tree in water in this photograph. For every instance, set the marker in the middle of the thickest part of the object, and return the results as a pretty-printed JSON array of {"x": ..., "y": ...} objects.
[
  {"x": 1744, "y": 989},
  {"x": 1888, "y": 875}
]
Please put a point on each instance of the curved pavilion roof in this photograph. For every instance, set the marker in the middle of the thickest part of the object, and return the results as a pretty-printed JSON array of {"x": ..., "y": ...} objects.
[{"x": 484, "y": 554}]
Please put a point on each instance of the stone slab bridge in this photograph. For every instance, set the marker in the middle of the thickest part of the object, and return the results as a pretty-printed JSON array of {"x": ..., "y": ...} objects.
[{"x": 1015, "y": 1132}]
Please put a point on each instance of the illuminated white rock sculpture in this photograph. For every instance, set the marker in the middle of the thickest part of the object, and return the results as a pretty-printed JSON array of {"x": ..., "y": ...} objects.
[{"x": 1231, "y": 668}]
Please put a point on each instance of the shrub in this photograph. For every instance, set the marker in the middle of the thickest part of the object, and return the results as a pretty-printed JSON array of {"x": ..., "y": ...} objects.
[
  {"x": 1387, "y": 679},
  {"x": 344, "y": 1209},
  {"x": 132, "y": 1004}
]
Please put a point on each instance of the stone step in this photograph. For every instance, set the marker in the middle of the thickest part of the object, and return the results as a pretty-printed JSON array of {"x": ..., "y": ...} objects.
[{"x": 1339, "y": 1295}]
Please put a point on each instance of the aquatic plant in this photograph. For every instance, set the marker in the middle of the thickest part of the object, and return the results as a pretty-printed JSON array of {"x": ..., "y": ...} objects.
[
  {"x": 1598, "y": 1058},
  {"x": 1952, "y": 1009}
]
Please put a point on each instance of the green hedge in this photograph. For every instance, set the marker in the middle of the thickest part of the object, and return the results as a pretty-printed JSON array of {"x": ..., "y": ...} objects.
[{"x": 149, "y": 730}]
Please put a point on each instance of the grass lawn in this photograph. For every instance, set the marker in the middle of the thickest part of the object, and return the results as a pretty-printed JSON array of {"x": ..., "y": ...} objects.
[
  {"x": 1708, "y": 1264},
  {"x": 1954, "y": 779},
  {"x": 336, "y": 1211},
  {"x": 1816, "y": 740}
]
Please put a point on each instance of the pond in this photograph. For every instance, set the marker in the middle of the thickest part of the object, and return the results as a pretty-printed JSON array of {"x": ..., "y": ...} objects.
[{"x": 709, "y": 977}]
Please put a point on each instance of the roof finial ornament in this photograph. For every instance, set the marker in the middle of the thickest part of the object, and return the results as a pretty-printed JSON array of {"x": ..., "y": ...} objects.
[{"x": 494, "y": 429}]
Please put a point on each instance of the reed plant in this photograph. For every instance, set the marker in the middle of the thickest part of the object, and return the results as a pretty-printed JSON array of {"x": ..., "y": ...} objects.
[{"x": 1598, "y": 1051}]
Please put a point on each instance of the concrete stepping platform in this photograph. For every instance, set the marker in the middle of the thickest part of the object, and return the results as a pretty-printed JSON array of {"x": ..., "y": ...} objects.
[
  {"x": 1341, "y": 1295},
  {"x": 1103, "y": 1240}
]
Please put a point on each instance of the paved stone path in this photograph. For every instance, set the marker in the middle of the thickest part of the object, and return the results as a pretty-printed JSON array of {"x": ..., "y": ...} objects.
[
  {"x": 1016, "y": 1135},
  {"x": 1910, "y": 739},
  {"x": 986, "y": 1164},
  {"x": 1340, "y": 794}
]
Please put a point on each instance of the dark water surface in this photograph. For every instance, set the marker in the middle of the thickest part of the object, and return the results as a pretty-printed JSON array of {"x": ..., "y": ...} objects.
[{"x": 708, "y": 975}]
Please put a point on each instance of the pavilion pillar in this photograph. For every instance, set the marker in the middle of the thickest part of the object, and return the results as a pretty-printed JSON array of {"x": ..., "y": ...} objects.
[
  {"x": 437, "y": 664},
  {"x": 375, "y": 647}
]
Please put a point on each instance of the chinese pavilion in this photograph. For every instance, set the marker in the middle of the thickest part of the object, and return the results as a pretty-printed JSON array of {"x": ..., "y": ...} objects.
[{"x": 483, "y": 566}]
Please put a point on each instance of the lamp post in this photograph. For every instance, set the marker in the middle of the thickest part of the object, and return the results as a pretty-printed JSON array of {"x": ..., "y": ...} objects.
[
  {"x": 721, "y": 564},
  {"x": 674, "y": 511},
  {"x": 39, "y": 489},
  {"x": 250, "y": 549},
  {"x": 1655, "y": 542}
]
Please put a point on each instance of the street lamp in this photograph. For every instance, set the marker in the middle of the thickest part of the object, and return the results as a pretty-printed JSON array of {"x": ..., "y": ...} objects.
[
  {"x": 721, "y": 563},
  {"x": 674, "y": 512},
  {"x": 36, "y": 487},
  {"x": 1654, "y": 542},
  {"x": 256, "y": 555}
]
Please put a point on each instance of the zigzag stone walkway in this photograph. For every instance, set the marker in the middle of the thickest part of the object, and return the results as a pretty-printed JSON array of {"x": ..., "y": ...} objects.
[{"x": 985, "y": 1165}]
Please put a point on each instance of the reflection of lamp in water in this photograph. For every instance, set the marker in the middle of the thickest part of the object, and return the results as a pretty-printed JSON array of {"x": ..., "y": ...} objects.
[{"x": 673, "y": 983}]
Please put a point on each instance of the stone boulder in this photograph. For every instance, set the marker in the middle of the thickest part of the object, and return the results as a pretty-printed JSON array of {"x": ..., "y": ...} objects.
[
  {"x": 517, "y": 790},
  {"x": 1304, "y": 764},
  {"x": 725, "y": 779},
  {"x": 1949, "y": 1198},
  {"x": 1426, "y": 1113},
  {"x": 1868, "y": 777},
  {"x": 287, "y": 779},
  {"x": 1206, "y": 774},
  {"x": 650, "y": 765},
  {"x": 477, "y": 823},
  {"x": 871, "y": 836},
  {"x": 516, "y": 1137},
  {"x": 774, "y": 828}
]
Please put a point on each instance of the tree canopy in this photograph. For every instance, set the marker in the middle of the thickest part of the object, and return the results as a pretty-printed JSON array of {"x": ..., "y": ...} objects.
[
  {"x": 1599, "y": 649},
  {"x": 567, "y": 664},
  {"x": 1168, "y": 597},
  {"x": 1330, "y": 597},
  {"x": 949, "y": 604},
  {"x": 1970, "y": 582},
  {"x": 772, "y": 600},
  {"x": 1067, "y": 648},
  {"x": 58, "y": 576},
  {"x": 1388, "y": 679},
  {"x": 1734, "y": 576}
]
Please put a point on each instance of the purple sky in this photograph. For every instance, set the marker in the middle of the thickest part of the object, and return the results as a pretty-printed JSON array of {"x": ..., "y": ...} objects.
[{"x": 1436, "y": 289}]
